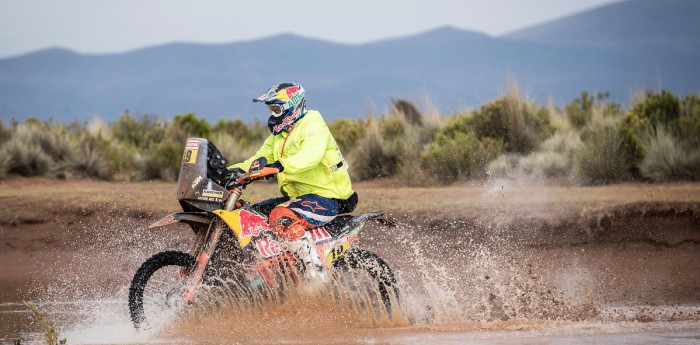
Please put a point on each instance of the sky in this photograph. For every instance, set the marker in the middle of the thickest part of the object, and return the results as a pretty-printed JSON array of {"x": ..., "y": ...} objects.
[{"x": 113, "y": 26}]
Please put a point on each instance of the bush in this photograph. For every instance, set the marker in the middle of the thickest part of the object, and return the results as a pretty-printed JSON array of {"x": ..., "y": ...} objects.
[
  {"x": 390, "y": 145},
  {"x": 347, "y": 133},
  {"x": 521, "y": 126},
  {"x": 456, "y": 153},
  {"x": 580, "y": 111},
  {"x": 234, "y": 149},
  {"x": 137, "y": 133},
  {"x": 458, "y": 156},
  {"x": 668, "y": 159},
  {"x": 689, "y": 121},
  {"x": 369, "y": 159},
  {"x": 161, "y": 161},
  {"x": 245, "y": 136},
  {"x": 5, "y": 162},
  {"x": 649, "y": 111},
  {"x": 91, "y": 160},
  {"x": 192, "y": 125},
  {"x": 601, "y": 158},
  {"x": 24, "y": 149},
  {"x": 5, "y": 133}
]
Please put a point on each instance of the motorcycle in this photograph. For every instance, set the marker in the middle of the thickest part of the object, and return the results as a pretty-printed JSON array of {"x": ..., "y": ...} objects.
[{"x": 235, "y": 249}]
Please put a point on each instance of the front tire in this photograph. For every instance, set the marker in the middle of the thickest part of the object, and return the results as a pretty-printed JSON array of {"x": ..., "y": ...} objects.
[
  {"x": 368, "y": 280},
  {"x": 157, "y": 286}
]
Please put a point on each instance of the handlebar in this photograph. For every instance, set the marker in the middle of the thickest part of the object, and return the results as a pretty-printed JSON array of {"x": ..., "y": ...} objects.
[{"x": 241, "y": 181}]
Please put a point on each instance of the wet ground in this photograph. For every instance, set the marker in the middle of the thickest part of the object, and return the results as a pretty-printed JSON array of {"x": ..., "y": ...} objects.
[{"x": 622, "y": 273}]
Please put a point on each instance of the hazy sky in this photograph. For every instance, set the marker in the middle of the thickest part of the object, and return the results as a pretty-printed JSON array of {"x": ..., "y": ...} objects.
[{"x": 103, "y": 26}]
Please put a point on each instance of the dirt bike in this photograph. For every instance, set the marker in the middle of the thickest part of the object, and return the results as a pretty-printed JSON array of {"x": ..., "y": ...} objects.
[{"x": 234, "y": 246}]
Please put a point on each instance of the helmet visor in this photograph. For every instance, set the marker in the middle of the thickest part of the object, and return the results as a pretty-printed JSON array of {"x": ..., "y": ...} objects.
[{"x": 276, "y": 110}]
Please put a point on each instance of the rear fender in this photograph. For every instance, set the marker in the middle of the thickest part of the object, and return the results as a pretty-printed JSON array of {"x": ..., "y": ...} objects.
[{"x": 191, "y": 218}]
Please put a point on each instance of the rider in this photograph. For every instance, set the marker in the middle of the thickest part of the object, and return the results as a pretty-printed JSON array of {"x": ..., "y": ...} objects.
[{"x": 313, "y": 176}]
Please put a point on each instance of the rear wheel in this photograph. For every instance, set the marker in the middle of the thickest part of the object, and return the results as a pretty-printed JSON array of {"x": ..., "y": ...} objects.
[
  {"x": 367, "y": 281},
  {"x": 157, "y": 288}
]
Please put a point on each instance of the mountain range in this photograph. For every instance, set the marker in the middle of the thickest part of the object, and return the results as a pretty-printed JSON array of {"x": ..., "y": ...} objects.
[{"x": 620, "y": 48}]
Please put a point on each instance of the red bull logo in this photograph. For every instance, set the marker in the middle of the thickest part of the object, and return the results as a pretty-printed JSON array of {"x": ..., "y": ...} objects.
[{"x": 251, "y": 223}]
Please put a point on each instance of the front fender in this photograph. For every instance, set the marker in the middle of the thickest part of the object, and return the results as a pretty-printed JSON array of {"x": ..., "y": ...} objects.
[{"x": 191, "y": 218}]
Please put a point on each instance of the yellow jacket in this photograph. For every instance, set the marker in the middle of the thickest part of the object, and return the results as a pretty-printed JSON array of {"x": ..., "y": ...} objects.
[{"x": 311, "y": 159}]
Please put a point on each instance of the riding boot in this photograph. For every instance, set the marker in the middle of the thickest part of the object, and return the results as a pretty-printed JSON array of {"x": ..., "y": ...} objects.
[{"x": 307, "y": 254}]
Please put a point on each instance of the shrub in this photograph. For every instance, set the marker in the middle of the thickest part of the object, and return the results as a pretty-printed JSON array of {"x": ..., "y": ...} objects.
[
  {"x": 26, "y": 159},
  {"x": 408, "y": 111},
  {"x": 192, "y": 125},
  {"x": 91, "y": 160},
  {"x": 5, "y": 162},
  {"x": 668, "y": 158},
  {"x": 369, "y": 159},
  {"x": 137, "y": 133},
  {"x": 347, "y": 133},
  {"x": 689, "y": 121},
  {"x": 546, "y": 164},
  {"x": 458, "y": 156},
  {"x": 601, "y": 157},
  {"x": 234, "y": 149},
  {"x": 580, "y": 110},
  {"x": 456, "y": 153},
  {"x": 24, "y": 149},
  {"x": 390, "y": 145},
  {"x": 244, "y": 135},
  {"x": 649, "y": 111},
  {"x": 5, "y": 133},
  {"x": 521, "y": 126},
  {"x": 161, "y": 161}
]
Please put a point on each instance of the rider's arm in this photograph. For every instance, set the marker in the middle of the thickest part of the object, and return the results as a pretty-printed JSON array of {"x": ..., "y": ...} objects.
[
  {"x": 264, "y": 151},
  {"x": 311, "y": 152}
]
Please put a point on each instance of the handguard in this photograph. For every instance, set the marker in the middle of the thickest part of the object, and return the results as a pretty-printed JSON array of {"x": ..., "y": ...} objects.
[{"x": 257, "y": 174}]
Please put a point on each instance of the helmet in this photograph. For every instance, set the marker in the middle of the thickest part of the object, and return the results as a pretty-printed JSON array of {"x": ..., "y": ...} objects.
[{"x": 286, "y": 103}]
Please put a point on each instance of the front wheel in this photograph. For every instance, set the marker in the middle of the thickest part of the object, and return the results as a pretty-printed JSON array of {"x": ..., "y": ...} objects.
[
  {"x": 158, "y": 286},
  {"x": 368, "y": 281}
]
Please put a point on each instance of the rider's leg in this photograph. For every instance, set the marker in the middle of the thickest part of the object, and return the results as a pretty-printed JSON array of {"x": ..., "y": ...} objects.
[{"x": 291, "y": 219}]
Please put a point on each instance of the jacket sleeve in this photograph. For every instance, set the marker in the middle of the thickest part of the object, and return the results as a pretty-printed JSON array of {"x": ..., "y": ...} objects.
[
  {"x": 311, "y": 152},
  {"x": 264, "y": 151}
]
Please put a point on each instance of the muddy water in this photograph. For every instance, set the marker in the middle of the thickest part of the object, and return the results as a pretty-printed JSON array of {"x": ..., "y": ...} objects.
[{"x": 620, "y": 276}]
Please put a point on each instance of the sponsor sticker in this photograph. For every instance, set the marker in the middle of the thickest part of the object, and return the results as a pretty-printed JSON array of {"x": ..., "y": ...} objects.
[
  {"x": 251, "y": 223},
  {"x": 190, "y": 156},
  {"x": 212, "y": 193},
  {"x": 196, "y": 181},
  {"x": 319, "y": 234},
  {"x": 192, "y": 144},
  {"x": 268, "y": 247}
]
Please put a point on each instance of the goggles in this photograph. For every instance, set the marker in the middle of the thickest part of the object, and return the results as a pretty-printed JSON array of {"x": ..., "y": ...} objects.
[{"x": 276, "y": 110}]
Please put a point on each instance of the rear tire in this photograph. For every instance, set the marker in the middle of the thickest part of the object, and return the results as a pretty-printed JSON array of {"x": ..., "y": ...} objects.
[
  {"x": 162, "y": 294},
  {"x": 360, "y": 261}
]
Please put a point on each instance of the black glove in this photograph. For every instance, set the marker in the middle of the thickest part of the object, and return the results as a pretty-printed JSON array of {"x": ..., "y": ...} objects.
[
  {"x": 231, "y": 175},
  {"x": 277, "y": 165}
]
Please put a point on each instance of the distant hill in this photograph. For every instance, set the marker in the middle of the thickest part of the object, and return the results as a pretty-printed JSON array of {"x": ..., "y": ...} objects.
[
  {"x": 636, "y": 23},
  {"x": 607, "y": 49}
]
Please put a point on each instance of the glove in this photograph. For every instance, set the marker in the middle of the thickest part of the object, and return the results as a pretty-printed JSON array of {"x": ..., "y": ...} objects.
[
  {"x": 231, "y": 175},
  {"x": 276, "y": 165},
  {"x": 233, "y": 172}
]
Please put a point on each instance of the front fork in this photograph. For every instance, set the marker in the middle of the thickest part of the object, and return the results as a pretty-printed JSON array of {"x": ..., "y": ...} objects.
[
  {"x": 194, "y": 279},
  {"x": 208, "y": 245}
]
